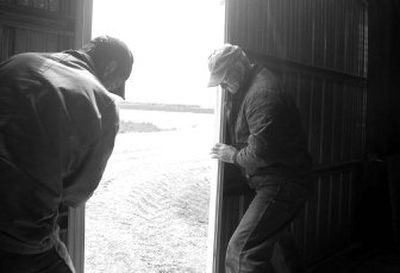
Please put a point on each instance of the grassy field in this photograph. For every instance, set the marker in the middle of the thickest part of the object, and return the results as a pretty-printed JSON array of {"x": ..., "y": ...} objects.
[
  {"x": 165, "y": 107},
  {"x": 150, "y": 211}
]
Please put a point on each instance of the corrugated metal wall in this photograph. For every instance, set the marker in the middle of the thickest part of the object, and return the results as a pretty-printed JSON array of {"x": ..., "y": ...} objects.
[
  {"x": 319, "y": 49},
  {"x": 325, "y": 33},
  {"x": 35, "y": 25}
]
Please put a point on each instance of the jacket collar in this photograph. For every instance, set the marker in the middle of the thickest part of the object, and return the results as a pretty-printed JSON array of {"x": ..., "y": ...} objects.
[{"x": 86, "y": 60}]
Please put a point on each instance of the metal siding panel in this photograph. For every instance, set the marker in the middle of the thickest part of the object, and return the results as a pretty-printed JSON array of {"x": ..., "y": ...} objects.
[
  {"x": 298, "y": 25},
  {"x": 51, "y": 43},
  {"x": 342, "y": 113},
  {"x": 327, "y": 124},
  {"x": 309, "y": 230},
  {"x": 329, "y": 35},
  {"x": 308, "y": 32},
  {"x": 290, "y": 81},
  {"x": 321, "y": 33},
  {"x": 352, "y": 122},
  {"x": 350, "y": 206},
  {"x": 360, "y": 50},
  {"x": 365, "y": 43},
  {"x": 341, "y": 214},
  {"x": 257, "y": 37},
  {"x": 290, "y": 29},
  {"x": 272, "y": 30},
  {"x": 345, "y": 206},
  {"x": 323, "y": 217},
  {"x": 318, "y": 42},
  {"x": 355, "y": 38},
  {"x": 325, "y": 33},
  {"x": 364, "y": 118},
  {"x": 246, "y": 30},
  {"x": 53, "y": 6},
  {"x": 316, "y": 112},
  {"x": 264, "y": 27},
  {"x": 346, "y": 37},
  {"x": 357, "y": 114},
  {"x": 321, "y": 229},
  {"x": 333, "y": 223},
  {"x": 6, "y": 42},
  {"x": 314, "y": 30},
  {"x": 305, "y": 92},
  {"x": 345, "y": 128},
  {"x": 337, "y": 104},
  {"x": 322, "y": 124},
  {"x": 29, "y": 40},
  {"x": 336, "y": 243},
  {"x": 335, "y": 34},
  {"x": 351, "y": 38},
  {"x": 297, "y": 227},
  {"x": 329, "y": 219},
  {"x": 340, "y": 41},
  {"x": 318, "y": 220},
  {"x": 295, "y": 30},
  {"x": 283, "y": 26},
  {"x": 312, "y": 226},
  {"x": 296, "y": 81},
  {"x": 267, "y": 28},
  {"x": 280, "y": 47}
]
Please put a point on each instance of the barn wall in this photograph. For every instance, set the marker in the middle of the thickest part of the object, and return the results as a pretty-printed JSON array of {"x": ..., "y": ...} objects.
[{"x": 319, "y": 50}]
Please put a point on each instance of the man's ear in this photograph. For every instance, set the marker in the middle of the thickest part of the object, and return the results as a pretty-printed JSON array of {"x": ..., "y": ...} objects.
[{"x": 110, "y": 68}]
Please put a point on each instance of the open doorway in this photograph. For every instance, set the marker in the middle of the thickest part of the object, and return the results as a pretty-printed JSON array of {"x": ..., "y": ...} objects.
[{"x": 150, "y": 212}]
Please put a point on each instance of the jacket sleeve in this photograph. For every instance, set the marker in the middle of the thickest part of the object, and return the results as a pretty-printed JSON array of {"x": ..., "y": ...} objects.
[
  {"x": 79, "y": 186},
  {"x": 260, "y": 111}
]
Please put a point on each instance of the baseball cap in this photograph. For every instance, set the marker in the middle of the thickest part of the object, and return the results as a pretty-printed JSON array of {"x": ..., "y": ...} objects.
[
  {"x": 113, "y": 49},
  {"x": 221, "y": 60}
]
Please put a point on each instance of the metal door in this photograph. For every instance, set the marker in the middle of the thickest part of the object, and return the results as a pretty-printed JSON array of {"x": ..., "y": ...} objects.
[{"x": 319, "y": 50}]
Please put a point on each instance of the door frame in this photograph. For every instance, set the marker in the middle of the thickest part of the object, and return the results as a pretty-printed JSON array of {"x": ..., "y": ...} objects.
[{"x": 76, "y": 216}]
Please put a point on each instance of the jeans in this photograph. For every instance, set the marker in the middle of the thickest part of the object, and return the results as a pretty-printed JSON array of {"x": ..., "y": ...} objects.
[
  {"x": 262, "y": 241},
  {"x": 55, "y": 260}
]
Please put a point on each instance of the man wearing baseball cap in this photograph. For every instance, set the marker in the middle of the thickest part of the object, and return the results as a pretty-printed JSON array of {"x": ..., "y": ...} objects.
[
  {"x": 58, "y": 122},
  {"x": 267, "y": 142}
]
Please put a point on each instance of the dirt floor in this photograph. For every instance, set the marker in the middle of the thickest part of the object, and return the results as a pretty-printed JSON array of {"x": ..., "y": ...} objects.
[{"x": 150, "y": 212}]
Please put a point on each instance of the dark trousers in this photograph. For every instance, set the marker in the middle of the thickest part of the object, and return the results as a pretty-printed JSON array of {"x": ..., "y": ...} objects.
[
  {"x": 262, "y": 241},
  {"x": 51, "y": 261}
]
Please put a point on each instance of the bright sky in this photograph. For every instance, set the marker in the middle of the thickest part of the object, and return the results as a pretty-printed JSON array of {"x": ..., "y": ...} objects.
[{"x": 170, "y": 41}]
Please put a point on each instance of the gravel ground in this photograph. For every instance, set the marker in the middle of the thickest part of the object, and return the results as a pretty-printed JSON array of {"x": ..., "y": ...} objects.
[{"x": 150, "y": 211}]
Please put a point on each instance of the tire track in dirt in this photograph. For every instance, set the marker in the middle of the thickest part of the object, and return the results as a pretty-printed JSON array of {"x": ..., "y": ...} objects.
[{"x": 150, "y": 211}]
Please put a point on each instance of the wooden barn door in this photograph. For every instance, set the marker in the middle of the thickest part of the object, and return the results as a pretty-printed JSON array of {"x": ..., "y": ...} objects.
[
  {"x": 319, "y": 50},
  {"x": 49, "y": 26}
]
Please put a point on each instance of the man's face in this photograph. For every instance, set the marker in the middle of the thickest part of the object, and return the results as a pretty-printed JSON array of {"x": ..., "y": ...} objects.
[
  {"x": 112, "y": 83},
  {"x": 232, "y": 80},
  {"x": 112, "y": 79},
  {"x": 230, "y": 85}
]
